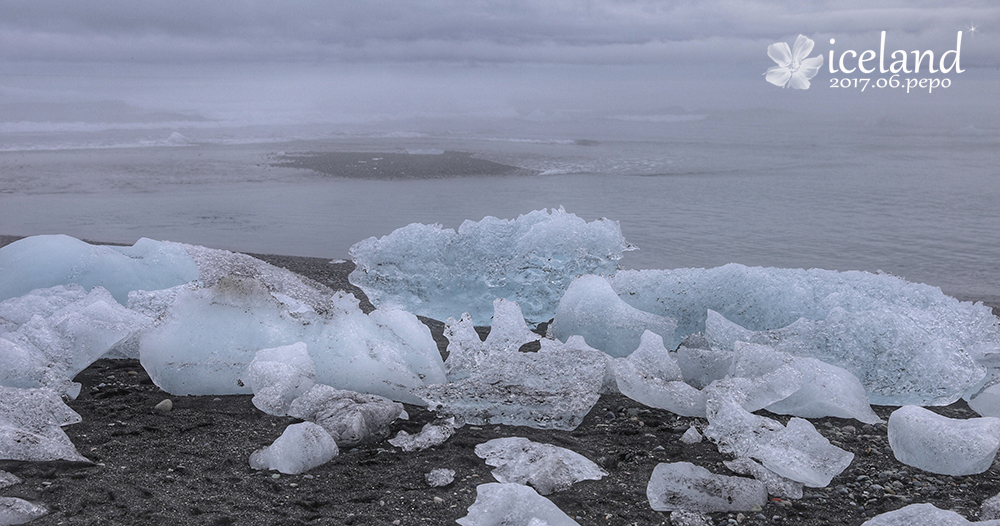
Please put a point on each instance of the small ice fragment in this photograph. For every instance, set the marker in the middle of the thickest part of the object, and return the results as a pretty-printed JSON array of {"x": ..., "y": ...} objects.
[
  {"x": 350, "y": 418},
  {"x": 545, "y": 467},
  {"x": 429, "y": 436},
  {"x": 700, "y": 366},
  {"x": 440, "y": 477},
  {"x": 8, "y": 479},
  {"x": 19, "y": 511},
  {"x": 300, "y": 448},
  {"x": 31, "y": 423},
  {"x": 513, "y": 504},
  {"x": 691, "y": 436},
  {"x": 923, "y": 515},
  {"x": 684, "y": 486},
  {"x": 926, "y": 440},
  {"x": 776, "y": 485},
  {"x": 590, "y": 308}
]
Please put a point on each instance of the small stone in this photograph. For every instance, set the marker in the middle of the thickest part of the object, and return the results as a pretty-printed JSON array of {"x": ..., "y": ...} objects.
[
  {"x": 165, "y": 406},
  {"x": 276, "y": 476}
]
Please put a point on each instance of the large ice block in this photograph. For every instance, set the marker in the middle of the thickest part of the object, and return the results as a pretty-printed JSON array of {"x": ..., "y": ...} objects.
[
  {"x": 685, "y": 486},
  {"x": 513, "y": 504},
  {"x": 441, "y": 273},
  {"x": 545, "y": 467},
  {"x": 208, "y": 336},
  {"x": 300, "y": 448},
  {"x": 590, "y": 308},
  {"x": 46, "y": 261},
  {"x": 926, "y": 440},
  {"x": 19, "y": 511},
  {"x": 906, "y": 342},
  {"x": 925, "y": 514}
]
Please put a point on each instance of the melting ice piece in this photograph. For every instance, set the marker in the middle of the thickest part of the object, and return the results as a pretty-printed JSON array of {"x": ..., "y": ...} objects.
[
  {"x": 350, "y": 418},
  {"x": 545, "y": 467},
  {"x": 926, "y": 440},
  {"x": 691, "y": 436},
  {"x": 208, "y": 336},
  {"x": 513, "y": 505},
  {"x": 987, "y": 402},
  {"x": 590, "y": 308},
  {"x": 466, "y": 351},
  {"x": 441, "y": 273},
  {"x": 279, "y": 375},
  {"x": 440, "y": 477},
  {"x": 685, "y": 486},
  {"x": 796, "y": 451},
  {"x": 700, "y": 365},
  {"x": 8, "y": 479},
  {"x": 31, "y": 423},
  {"x": 553, "y": 388},
  {"x": 651, "y": 376},
  {"x": 923, "y": 515},
  {"x": 46, "y": 261},
  {"x": 429, "y": 436},
  {"x": 776, "y": 484},
  {"x": 19, "y": 511},
  {"x": 991, "y": 508},
  {"x": 906, "y": 342},
  {"x": 826, "y": 390},
  {"x": 300, "y": 448}
]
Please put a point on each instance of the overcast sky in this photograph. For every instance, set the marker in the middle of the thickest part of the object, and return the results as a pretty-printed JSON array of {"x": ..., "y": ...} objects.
[{"x": 461, "y": 47}]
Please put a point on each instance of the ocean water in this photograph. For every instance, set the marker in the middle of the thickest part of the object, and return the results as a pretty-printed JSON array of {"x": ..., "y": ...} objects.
[{"x": 689, "y": 189}]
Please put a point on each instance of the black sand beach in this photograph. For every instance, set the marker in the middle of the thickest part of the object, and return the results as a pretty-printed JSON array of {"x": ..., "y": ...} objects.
[{"x": 190, "y": 465}]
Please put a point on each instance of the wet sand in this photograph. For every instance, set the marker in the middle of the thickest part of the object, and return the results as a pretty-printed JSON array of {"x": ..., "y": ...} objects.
[{"x": 381, "y": 165}]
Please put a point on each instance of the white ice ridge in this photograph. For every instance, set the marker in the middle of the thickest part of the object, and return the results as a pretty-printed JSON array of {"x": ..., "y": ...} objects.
[
  {"x": 512, "y": 504},
  {"x": 924, "y": 515},
  {"x": 545, "y": 467},
  {"x": 208, "y": 336},
  {"x": 926, "y": 440},
  {"x": 31, "y": 422},
  {"x": 440, "y": 273},
  {"x": 908, "y": 343},
  {"x": 300, "y": 448}
]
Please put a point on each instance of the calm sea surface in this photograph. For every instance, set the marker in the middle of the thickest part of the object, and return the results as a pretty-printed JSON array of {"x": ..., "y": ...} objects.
[{"x": 699, "y": 192}]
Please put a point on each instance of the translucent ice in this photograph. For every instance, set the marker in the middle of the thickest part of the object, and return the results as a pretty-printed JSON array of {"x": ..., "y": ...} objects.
[
  {"x": 924, "y": 515},
  {"x": 553, "y": 388},
  {"x": 31, "y": 423},
  {"x": 8, "y": 479},
  {"x": 987, "y": 402},
  {"x": 441, "y": 273},
  {"x": 279, "y": 375},
  {"x": 991, "y": 508},
  {"x": 691, "y": 436},
  {"x": 590, "y": 308},
  {"x": 466, "y": 351},
  {"x": 19, "y": 511},
  {"x": 825, "y": 390},
  {"x": 545, "y": 467},
  {"x": 685, "y": 486},
  {"x": 906, "y": 342},
  {"x": 46, "y": 261},
  {"x": 440, "y": 477},
  {"x": 511, "y": 504},
  {"x": 208, "y": 336},
  {"x": 796, "y": 451},
  {"x": 429, "y": 436},
  {"x": 350, "y": 418},
  {"x": 776, "y": 485},
  {"x": 935, "y": 443},
  {"x": 700, "y": 365},
  {"x": 651, "y": 376},
  {"x": 300, "y": 448}
]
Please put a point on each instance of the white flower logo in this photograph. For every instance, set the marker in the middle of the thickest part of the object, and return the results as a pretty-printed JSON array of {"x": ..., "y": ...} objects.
[{"x": 793, "y": 68}]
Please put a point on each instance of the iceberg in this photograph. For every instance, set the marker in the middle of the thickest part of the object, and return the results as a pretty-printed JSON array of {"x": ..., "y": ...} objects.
[
  {"x": 350, "y": 418},
  {"x": 208, "y": 336},
  {"x": 685, "y": 486},
  {"x": 924, "y": 515},
  {"x": 300, "y": 448},
  {"x": 441, "y": 273},
  {"x": 40, "y": 262},
  {"x": 8, "y": 479},
  {"x": 590, "y": 308},
  {"x": 545, "y": 467},
  {"x": 908, "y": 343},
  {"x": 926, "y": 440},
  {"x": 512, "y": 504},
  {"x": 31, "y": 422}
]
